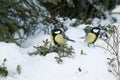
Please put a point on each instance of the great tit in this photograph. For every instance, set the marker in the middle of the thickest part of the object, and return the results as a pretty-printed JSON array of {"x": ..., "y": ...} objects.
[
  {"x": 93, "y": 35},
  {"x": 59, "y": 38}
]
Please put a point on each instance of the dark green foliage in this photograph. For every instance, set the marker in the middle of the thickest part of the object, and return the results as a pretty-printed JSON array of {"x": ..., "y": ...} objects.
[
  {"x": 111, "y": 61},
  {"x": 64, "y": 51},
  {"x": 3, "y": 69},
  {"x": 82, "y": 52},
  {"x": 25, "y": 15},
  {"x": 87, "y": 29},
  {"x": 62, "y": 8},
  {"x": 51, "y": 1},
  {"x": 47, "y": 47},
  {"x": 59, "y": 60},
  {"x": 82, "y": 9},
  {"x": 67, "y": 51},
  {"x": 44, "y": 49},
  {"x": 18, "y": 15},
  {"x": 76, "y": 23},
  {"x": 56, "y": 23},
  {"x": 18, "y": 69}
]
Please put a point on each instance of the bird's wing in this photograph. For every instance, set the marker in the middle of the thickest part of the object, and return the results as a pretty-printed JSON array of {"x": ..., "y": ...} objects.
[{"x": 52, "y": 41}]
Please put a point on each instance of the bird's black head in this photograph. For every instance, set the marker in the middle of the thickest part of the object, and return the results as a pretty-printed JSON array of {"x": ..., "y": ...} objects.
[
  {"x": 95, "y": 30},
  {"x": 56, "y": 31}
]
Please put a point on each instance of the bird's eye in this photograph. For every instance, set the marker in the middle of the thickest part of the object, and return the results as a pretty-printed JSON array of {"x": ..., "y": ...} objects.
[{"x": 57, "y": 32}]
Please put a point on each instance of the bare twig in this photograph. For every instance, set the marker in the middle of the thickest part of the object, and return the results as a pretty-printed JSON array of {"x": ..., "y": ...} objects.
[{"x": 113, "y": 48}]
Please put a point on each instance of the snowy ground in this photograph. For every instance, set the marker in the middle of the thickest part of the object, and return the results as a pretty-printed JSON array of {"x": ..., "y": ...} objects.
[{"x": 93, "y": 65}]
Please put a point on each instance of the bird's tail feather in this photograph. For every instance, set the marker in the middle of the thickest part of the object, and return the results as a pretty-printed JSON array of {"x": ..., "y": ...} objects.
[{"x": 71, "y": 40}]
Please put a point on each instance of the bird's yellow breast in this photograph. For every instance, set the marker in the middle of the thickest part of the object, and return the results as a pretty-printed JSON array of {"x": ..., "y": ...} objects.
[
  {"x": 60, "y": 40},
  {"x": 90, "y": 38}
]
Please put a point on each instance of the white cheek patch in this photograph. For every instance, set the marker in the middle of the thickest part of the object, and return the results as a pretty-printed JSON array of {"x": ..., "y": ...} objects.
[
  {"x": 57, "y": 32},
  {"x": 96, "y": 30}
]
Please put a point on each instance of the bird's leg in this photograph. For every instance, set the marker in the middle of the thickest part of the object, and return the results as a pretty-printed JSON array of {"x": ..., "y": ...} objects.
[
  {"x": 94, "y": 45},
  {"x": 62, "y": 48},
  {"x": 61, "y": 51},
  {"x": 88, "y": 45},
  {"x": 91, "y": 45}
]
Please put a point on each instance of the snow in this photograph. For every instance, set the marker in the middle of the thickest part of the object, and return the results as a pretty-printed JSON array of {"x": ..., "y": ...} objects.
[
  {"x": 117, "y": 9},
  {"x": 93, "y": 65}
]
